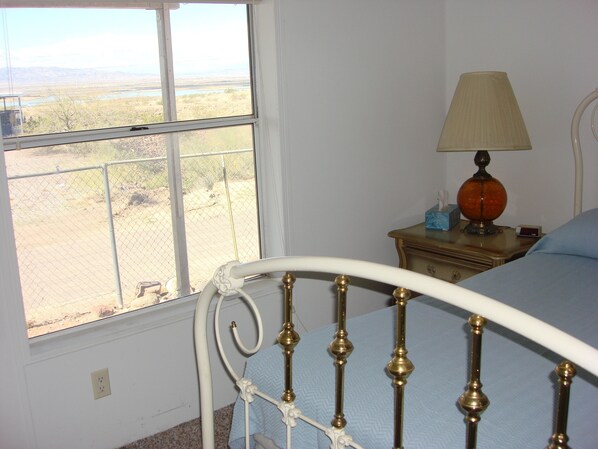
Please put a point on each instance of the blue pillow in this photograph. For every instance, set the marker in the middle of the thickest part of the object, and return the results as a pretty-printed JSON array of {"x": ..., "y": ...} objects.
[{"x": 578, "y": 237}]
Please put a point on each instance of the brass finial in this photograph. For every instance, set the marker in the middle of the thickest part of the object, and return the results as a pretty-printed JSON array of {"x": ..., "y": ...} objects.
[
  {"x": 341, "y": 347},
  {"x": 288, "y": 338},
  {"x": 566, "y": 372},
  {"x": 400, "y": 367},
  {"x": 473, "y": 401}
]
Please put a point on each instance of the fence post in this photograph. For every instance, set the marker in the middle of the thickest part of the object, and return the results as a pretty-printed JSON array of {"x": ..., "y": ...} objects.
[
  {"x": 108, "y": 199},
  {"x": 230, "y": 208}
]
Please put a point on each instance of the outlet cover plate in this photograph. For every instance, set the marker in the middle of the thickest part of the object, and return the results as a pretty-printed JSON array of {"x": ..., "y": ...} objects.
[{"x": 100, "y": 382}]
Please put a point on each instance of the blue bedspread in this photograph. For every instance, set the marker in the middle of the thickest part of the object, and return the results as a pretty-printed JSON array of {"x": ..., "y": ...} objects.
[{"x": 517, "y": 375}]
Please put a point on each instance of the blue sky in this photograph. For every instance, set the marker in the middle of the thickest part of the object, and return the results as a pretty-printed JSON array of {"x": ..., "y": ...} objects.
[{"x": 204, "y": 37}]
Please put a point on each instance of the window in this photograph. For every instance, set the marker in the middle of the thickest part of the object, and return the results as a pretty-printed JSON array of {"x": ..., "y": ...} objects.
[{"x": 130, "y": 152}]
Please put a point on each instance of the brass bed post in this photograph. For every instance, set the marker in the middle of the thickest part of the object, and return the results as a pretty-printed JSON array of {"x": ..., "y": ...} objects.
[
  {"x": 288, "y": 338},
  {"x": 474, "y": 401},
  {"x": 400, "y": 367},
  {"x": 566, "y": 372},
  {"x": 341, "y": 347}
]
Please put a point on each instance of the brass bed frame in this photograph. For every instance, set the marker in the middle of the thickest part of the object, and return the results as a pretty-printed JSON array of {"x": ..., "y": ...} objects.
[{"x": 229, "y": 281}]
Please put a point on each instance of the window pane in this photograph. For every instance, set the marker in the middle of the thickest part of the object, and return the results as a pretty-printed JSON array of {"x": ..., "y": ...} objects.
[
  {"x": 78, "y": 69},
  {"x": 211, "y": 64},
  {"x": 93, "y": 224},
  {"x": 70, "y": 69}
]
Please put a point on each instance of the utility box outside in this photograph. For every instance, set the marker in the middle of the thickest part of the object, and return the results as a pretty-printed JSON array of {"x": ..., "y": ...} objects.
[{"x": 11, "y": 115}]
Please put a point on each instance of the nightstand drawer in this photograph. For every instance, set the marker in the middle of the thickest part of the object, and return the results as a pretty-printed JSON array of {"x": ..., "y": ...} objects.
[
  {"x": 438, "y": 267},
  {"x": 455, "y": 255}
]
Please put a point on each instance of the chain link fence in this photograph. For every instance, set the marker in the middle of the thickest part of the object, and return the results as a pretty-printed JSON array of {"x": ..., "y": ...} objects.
[{"x": 98, "y": 240}]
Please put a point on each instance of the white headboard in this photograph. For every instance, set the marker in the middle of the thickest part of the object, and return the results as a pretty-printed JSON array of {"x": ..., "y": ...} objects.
[{"x": 577, "y": 146}]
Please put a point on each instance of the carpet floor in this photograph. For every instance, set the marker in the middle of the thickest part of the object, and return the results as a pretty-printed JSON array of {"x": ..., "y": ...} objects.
[{"x": 188, "y": 435}]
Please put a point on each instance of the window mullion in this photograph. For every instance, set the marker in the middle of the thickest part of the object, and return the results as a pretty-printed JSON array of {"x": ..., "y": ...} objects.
[
  {"x": 45, "y": 140},
  {"x": 130, "y": 4},
  {"x": 173, "y": 153}
]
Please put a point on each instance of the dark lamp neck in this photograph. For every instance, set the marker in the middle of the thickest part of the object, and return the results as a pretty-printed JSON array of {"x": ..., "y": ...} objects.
[{"x": 482, "y": 159}]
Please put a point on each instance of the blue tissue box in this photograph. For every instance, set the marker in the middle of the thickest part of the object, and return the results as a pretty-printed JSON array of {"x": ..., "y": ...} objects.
[{"x": 443, "y": 220}]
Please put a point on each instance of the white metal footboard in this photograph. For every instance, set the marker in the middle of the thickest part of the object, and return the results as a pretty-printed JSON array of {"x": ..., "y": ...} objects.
[
  {"x": 576, "y": 145},
  {"x": 229, "y": 280}
]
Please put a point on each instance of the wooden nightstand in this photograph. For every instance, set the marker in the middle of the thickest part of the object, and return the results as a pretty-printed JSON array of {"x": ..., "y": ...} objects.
[{"x": 454, "y": 255}]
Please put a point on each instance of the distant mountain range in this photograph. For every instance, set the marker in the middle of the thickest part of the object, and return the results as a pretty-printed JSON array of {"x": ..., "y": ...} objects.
[
  {"x": 27, "y": 76},
  {"x": 56, "y": 75}
]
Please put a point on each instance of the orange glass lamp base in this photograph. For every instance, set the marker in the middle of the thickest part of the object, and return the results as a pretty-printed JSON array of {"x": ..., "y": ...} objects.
[{"x": 482, "y": 200}]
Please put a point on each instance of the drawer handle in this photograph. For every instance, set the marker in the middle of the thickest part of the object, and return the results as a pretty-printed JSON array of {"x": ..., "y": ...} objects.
[
  {"x": 431, "y": 270},
  {"x": 456, "y": 276}
]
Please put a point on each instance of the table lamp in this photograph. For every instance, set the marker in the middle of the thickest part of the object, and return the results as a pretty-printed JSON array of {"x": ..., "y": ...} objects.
[{"x": 483, "y": 116}]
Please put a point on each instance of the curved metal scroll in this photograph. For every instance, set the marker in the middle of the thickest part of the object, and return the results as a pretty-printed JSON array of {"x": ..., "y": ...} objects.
[
  {"x": 577, "y": 156},
  {"x": 260, "y": 333}
]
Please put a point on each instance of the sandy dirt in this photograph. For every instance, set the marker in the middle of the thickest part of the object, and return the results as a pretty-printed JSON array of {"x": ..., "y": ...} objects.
[{"x": 64, "y": 241}]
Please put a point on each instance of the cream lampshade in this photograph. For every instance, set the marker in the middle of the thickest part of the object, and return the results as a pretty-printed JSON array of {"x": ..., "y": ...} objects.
[{"x": 483, "y": 116}]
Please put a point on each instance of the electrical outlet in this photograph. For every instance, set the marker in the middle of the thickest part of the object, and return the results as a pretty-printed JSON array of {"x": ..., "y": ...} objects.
[{"x": 100, "y": 382}]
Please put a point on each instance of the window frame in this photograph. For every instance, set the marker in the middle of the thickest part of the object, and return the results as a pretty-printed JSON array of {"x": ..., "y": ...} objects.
[
  {"x": 168, "y": 88},
  {"x": 268, "y": 196}
]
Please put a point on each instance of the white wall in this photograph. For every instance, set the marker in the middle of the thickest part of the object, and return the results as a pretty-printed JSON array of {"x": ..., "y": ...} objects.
[
  {"x": 360, "y": 85},
  {"x": 548, "y": 49},
  {"x": 362, "y": 82},
  {"x": 15, "y": 420},
  {"x": 363, "y": 85}
]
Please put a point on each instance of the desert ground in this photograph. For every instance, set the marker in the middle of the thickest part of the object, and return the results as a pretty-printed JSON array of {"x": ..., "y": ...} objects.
[{"x": 64, "y": 249}]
